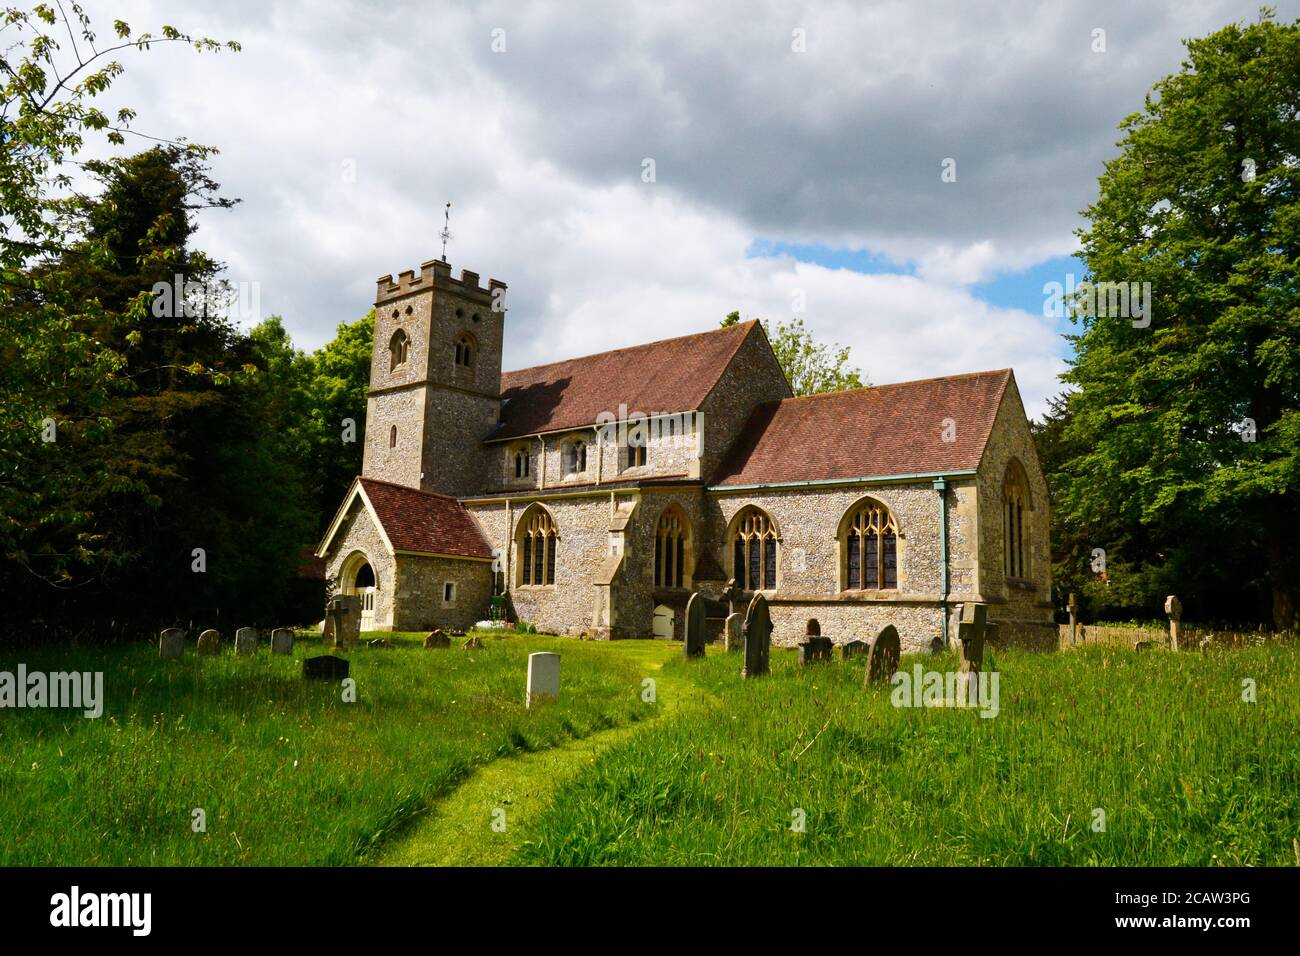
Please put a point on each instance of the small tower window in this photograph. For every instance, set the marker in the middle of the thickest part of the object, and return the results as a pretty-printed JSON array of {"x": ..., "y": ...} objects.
[
  {"x": 398, "y": 346},
  {"x": 464, "y": 352},
  {"x": 392, "y": 436}
]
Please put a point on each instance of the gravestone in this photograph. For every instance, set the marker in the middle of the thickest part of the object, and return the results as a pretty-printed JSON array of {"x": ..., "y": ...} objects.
[
  {"x": 324, "y": 667},
  {"x": 1174, "y": 608},
  {"x": 474, "y": 644},
  {"x": 379, "y": 643},
  {"x": 171, "y": 643},
  {"x": 936, "y": 645},
  {"x": 436, "y": 639},
  {"x": 209, "y": 643},
  {"x": 695, "y": 626},
  {"x": 1142, "y": 645},
  {"x": 1073, "y": 608},
  {"x": 816, "y": 648},
  {"x": 972, "y": 631},
  {"x": 246, "y": 641},
  {"x": 853, "y": 649},
  {"x": 814, "y": 628},
  {"x": 733, "y": 632},
  {"x": 882, "y": 659},
  {"x": 342, "y": 620},
  {"x": 282, "y": 641},
  {"x": 543, "y": 677},
  {"x": 758, "y": 637}
]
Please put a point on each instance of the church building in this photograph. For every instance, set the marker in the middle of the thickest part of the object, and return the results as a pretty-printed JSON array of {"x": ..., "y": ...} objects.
[{"x": 596, "y": 494}]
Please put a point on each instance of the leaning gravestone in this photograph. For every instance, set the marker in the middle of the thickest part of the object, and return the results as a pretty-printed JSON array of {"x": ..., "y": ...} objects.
[
  {"x": 882, "y": 660},
  {"x": 282, "y": 641},
  {"x": 695, "y": 626},
  {"x": 171, "y": 643},
  {"x": 246, "y": 641},
  {"x": 436, "y": 639},
  {"x": 324, "y": 667},
  {"x": 733, "y": 631},
  {"x": 209, "y": 643},
  {"x": 854, "y": 649},
  {"x": 758, "y": 637},
  {"x": 543, "y": 677}
]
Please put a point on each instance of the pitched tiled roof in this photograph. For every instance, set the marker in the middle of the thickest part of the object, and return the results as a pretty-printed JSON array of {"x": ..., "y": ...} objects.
[
  {"x": 421, "y": 521},
  {"x": 672, "y": 375},
  {"x": 865, "y": 432}
]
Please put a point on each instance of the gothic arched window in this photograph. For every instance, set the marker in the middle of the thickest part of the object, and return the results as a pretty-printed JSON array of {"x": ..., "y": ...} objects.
[
  {"x": 536, "y": 547},
  {"x": 754, "y": 546},
  {"x": 398, "y": 347},
  {"x": 1015, "y": 502},
  {"x": 869, "y": 543},
  {"x": 672, "y": 549}
]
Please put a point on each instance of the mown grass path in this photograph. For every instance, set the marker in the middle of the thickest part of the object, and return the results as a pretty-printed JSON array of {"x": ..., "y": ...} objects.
[{"x": 459, "y": 829}]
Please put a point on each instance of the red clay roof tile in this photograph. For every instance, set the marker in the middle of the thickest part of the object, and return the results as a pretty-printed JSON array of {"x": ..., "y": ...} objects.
[
  {"x": 672, "y": 375},
  {"x": 422, "y": 521},
  {"x": 865, "y": 432}
]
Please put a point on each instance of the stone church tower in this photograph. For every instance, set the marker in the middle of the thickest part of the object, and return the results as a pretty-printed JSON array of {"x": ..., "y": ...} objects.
[{"x": 435, "y": 379}]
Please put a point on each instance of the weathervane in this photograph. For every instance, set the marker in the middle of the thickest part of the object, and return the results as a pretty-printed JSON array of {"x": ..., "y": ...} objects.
[{"x": 446, "y": 230}]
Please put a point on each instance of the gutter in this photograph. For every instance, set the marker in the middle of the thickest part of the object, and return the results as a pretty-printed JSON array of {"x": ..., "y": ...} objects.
[
  {"x": 941, "y": 486},
  {"x": 833, "y": 482}
]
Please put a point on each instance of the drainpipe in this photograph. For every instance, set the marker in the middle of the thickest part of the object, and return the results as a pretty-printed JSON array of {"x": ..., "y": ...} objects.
[{"x": 941, "y": 485}]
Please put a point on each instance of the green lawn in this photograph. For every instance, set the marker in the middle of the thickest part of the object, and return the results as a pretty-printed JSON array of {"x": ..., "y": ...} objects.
[
  {"x": 286, "y": 772},
  {"x": 1185, "y": 771}
]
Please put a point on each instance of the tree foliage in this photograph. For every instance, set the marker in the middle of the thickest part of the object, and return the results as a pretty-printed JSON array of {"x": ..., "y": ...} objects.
[
  {"x": 811, "y": 367},
  {"x": 1184, "y": 433}
]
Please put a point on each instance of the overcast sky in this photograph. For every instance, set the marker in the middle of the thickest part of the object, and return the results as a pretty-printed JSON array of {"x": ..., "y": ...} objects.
[{"x": 797, "y": 149}]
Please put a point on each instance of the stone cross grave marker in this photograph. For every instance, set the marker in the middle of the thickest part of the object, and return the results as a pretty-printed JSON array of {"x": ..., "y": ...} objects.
[
  {"x": 246, "y": 641},
  {"x": 853, "y": 649},
  {"x": 171, "y": 643},
  {"x": 882, "y": 659},
  {"x": 1073, "y": 608},
  {"x": 343, "y": 620},
  {"x": 815, "y": 647},
  {"x": 971, "y": 633},
  {"x": 282, "y": 641},
  {"x": 324, "y": 667},
  {"x": 543, "y": 677},
  {"x": 758, "y": 637},
  {"x": 695, "y": 626},
  {"x": 1174, "y": 608},
  {"x": 733, "y": 632},
  {"x": 209, "y": 643}
]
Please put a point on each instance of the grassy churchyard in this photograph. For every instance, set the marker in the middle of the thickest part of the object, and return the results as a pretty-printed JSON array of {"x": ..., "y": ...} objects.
[{"x": 1096, "y": 756}]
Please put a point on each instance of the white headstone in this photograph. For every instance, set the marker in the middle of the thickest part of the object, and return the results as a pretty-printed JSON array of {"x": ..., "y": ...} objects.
[
  {"x": 543, "y": 676},
  {"x": 734, "y": 632}
]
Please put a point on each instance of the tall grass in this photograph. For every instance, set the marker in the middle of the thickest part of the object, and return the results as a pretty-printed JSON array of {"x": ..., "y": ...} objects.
[
  {"x": 285, "y": 771},
  {"x": 1184, "y": 770}
]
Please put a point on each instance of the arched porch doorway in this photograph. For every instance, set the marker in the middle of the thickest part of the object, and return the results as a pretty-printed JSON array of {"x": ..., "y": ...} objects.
[{"x": 358, "y": 577}]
